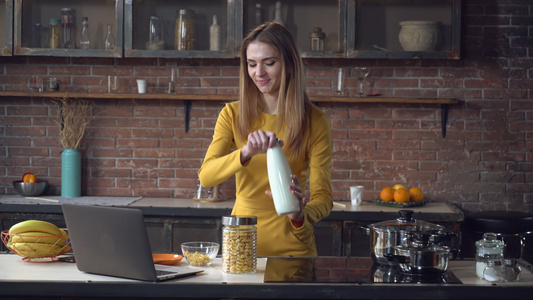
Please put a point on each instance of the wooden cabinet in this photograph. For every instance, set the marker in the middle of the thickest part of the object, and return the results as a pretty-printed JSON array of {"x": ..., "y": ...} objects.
[
  {"x": 6, "y": 34},
  {"x": 346, "y": 28}
]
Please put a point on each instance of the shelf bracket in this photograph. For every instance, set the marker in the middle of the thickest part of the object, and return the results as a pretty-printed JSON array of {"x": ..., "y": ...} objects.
[
  {"x": 187, "y": 107},
  {"x": 443, "y": 118}
]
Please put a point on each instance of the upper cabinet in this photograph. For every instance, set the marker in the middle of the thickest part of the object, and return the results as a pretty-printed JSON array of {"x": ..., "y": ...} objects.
[
  {"x": 54, "y": 27},
  {"x": 407, "y": 29},
  {"x": 403, "y": 29},
  {"x": 180, "y": 28},
  {"x": 319, "y": 26}
]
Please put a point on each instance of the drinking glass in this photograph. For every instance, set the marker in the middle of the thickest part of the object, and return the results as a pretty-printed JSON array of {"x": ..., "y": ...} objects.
[
  {"x": 339, "y": 76},
  {"x": 361, "y": 73}
]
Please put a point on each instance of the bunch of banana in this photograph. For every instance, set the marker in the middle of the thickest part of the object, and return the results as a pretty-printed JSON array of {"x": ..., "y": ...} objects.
[{"x": 35, "y": 238}]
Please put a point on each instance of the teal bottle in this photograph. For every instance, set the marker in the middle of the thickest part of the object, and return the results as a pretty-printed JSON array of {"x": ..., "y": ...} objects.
[{"x": 70, "y": 173}]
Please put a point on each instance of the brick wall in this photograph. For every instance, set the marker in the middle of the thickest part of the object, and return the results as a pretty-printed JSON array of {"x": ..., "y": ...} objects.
[{"x": 139, "y": 147}]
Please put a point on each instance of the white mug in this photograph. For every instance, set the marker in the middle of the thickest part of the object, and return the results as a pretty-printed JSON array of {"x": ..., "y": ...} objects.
[
  {"x": 141, "y": 86},
  {"x": 356, "y": 194}
]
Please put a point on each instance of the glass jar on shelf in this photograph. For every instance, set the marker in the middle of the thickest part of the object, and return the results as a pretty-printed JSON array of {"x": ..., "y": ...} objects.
[
  {"x": 185, "y": 30},
  {"x": 490, "y": 248},
  {"x": 155, "y": 41},
  {"x": 68, "y": 25},
  {"x": 85, "y": 42}
]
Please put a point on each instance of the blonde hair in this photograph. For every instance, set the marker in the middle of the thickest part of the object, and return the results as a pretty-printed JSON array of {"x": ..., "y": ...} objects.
[{"x": 293, "y": 100}]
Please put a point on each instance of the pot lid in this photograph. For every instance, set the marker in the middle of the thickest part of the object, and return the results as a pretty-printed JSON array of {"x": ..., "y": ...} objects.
[{"x": 406, "y": 222}]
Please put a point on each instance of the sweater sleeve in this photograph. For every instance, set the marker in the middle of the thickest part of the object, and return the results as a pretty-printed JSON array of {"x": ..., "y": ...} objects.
[
  {"x": 221, "y": 162},
  {"x": 320, "y": 200}
]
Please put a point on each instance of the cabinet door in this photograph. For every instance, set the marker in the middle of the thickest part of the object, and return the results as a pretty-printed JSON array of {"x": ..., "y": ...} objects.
[
  {"x": 32, "y": 30},
  {"x": 200, "y": 18},
  {"x": 431, "y": 29},
  {"x": 6, "y": 28},
  {"x": 301, "y": 17}
]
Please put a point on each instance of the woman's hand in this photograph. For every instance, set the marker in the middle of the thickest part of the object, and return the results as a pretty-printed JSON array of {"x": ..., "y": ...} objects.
[
  {"x": 258, "y": 142},
  {"x": 297, "y": 191}
]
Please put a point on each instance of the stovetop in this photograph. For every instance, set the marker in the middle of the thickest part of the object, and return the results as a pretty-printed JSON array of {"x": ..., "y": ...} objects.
[{"x": 344, "y": 270}]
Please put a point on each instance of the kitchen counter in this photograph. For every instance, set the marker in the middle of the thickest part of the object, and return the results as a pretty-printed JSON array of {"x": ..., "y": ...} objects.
[
  {"x": 171, "y": 221},
  {"x": 60, "y": 279},
  {"x": 342, "y": 210}
]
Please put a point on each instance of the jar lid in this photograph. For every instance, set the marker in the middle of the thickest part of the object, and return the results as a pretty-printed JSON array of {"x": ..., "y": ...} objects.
[
  {"x": 239, "y": 220},
  {"x": 66, "y": 9}
]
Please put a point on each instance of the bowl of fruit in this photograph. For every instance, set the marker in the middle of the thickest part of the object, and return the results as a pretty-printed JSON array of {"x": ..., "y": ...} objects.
[{"x": 30, "y": 186}]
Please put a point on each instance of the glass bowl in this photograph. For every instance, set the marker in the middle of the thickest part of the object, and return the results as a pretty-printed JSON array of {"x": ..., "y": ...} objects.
[{"x": 200, "y": 254}]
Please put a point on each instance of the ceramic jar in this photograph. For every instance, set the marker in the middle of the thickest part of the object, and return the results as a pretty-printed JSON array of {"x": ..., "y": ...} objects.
[{"x": 419, "y": 35}]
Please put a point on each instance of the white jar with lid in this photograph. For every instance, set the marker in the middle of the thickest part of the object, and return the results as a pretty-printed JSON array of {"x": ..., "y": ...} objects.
[
  {"x": 490, "y": 248},
  {"x": 239, "y": 244}
]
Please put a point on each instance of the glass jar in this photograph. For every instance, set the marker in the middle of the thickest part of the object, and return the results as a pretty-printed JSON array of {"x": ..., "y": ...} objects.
[
  {"x": 490, "y": 248},
  {"x": 55, "y": 33},
  {"x": 67, "y": 21},
  {"x": 512, "y": 271},
  {"x": 494, "y": 271},
  {"x": 185, "y": 30},
  {"x": 239, "y": 244},
  {"x": 155, "y": 41}
]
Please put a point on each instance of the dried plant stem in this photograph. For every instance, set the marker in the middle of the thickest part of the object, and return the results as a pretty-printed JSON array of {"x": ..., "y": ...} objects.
[{"x": 73, "y": 117}]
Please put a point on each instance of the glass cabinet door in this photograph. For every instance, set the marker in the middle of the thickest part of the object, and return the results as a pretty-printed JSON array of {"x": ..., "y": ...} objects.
[
  {"x": 404, "y": 29},
  {"x": 54, "y": 28},
  {"x": 179, "y": 28},
  {"x": 319, "y": 26},
  {"x": 6, "y": 28}
]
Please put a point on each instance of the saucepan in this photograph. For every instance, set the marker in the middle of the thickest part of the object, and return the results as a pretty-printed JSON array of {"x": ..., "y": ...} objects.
[
  {"x": 423, "y": 255},
  {"x": 386, "y": 235}
]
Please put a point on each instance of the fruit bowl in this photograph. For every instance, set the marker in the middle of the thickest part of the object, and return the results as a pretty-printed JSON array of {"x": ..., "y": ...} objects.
[
  {"x": 36, "y": 248},
  {"x": 200, "y": 254},
  {"x": 28, "y": 189}
]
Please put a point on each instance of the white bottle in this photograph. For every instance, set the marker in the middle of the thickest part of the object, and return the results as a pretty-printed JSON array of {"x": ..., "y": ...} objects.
[
  {"x": 214, "y": 35},
  {"x": 277, "y": 14},
  {"x": 280, "y": 178}
]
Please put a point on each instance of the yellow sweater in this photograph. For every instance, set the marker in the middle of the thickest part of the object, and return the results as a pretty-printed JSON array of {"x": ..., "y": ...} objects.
[{"x": 276, "y": 236}]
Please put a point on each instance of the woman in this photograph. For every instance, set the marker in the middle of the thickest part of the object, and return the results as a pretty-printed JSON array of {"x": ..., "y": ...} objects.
[{"x": 273, "y": 104}]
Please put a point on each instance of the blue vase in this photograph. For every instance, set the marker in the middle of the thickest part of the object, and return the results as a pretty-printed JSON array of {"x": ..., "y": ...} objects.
[{"x": 70, "y": 173}]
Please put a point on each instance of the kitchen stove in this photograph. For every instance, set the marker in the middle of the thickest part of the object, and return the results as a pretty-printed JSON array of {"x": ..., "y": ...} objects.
[{"x": 344, "y": 270}]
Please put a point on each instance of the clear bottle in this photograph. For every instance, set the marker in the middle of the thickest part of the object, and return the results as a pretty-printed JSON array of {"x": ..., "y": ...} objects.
[
  {"x": 55, "y": 33},
  {"x": 490, "y": 248},
  {"x": 258, "y": 14},
  {"x": 67, "y": 22},
  {"x": 277, "y": 14},
  {"x": 512, "y": 271},
  {"x": 214, "y": 35},
  {"x": 109, "y": 38},
  {"x": 280, "y": 178},
  {"x": 85, "y": 42},
  {"x": 155, "y": 41},
  {"x": 239, "y": 244},
  {"x": 185, "y": 30}
]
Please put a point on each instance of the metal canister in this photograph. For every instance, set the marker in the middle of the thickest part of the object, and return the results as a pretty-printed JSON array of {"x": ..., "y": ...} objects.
[{"x": 239, "y": 244}]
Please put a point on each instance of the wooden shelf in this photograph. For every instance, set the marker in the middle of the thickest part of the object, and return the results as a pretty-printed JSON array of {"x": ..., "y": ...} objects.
[
  {"x": 444, "y": 103},
  {"x": 221, "y": 97}
]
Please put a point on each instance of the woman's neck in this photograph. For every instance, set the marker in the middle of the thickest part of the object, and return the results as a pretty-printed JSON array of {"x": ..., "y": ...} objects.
[{"x": 271, "y": 104}]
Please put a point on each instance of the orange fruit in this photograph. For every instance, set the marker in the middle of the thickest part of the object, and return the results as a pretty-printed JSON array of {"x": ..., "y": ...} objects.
[
  {"x": 29, "y": 178},
  {"x": 401, "y": 195},
  {"x": 416, "y": 194},
  {"x": 387, "y": 194}
]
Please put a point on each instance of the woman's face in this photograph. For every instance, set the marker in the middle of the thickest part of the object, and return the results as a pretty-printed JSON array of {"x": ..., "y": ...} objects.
[{"x": 264, "y": 67}]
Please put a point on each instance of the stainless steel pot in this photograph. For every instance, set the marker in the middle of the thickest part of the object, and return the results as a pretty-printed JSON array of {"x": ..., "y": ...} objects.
[
  {"x": 421, "y": 256},
  {"x": 385, "y": 236}
]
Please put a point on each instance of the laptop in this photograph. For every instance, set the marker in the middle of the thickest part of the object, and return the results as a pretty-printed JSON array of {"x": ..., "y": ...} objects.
[{"x": 113, "y": 241}]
